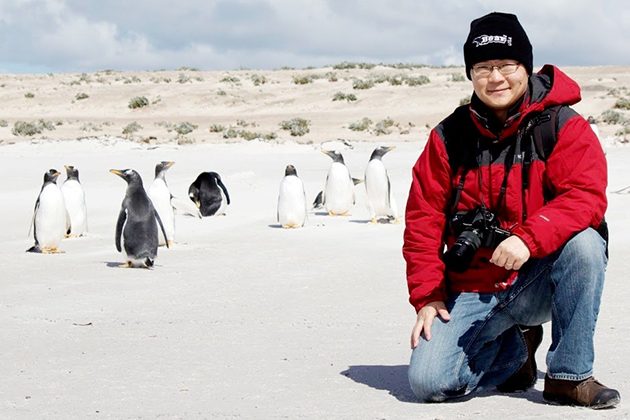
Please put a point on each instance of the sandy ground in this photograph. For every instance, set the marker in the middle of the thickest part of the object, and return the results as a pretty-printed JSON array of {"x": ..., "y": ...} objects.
[
  {"x": 75, "y": 105},
  {"x": 241, "y": 319}
]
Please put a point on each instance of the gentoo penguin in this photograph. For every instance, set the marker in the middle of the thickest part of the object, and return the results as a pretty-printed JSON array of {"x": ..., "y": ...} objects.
[
  {"x": 380, "y": 199},
  {"x": 161, "y": 198},
  {"x": 74, "y": 197},
  {"x": 50, "y": 218},
  {"x": 137, "y": 222},
  {"x": 291, "y": 200},
  {"x": 205, "y": 192},
  {"x": 338, "y": 197}
]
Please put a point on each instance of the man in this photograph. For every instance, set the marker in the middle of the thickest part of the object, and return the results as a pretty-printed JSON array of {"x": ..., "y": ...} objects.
[{"x": 524, "y": 233}]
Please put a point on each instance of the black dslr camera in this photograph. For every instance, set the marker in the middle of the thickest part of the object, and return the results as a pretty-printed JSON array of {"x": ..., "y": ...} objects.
[{"x": 475, "y": 228}]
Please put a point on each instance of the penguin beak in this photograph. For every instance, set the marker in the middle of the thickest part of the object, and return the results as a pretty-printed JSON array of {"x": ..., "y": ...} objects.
[
  {"x": 389, "y": 148},
  {"x": 168, "y": 164},
  {"x": 117, "y": 172},
  {"x": 329, "y": 153},
  {"x": 56, "y": 174}
]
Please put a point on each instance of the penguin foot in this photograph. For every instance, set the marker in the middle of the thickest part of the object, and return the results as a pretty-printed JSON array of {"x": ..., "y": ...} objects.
[
  {"x": 290, "y": 226},
  {"x": 52, "y": 250},
  {"x": 373, "y": 220},
  {"x": 148, "y": 263},
  {"x": 125, "y": 265},
  {"x": 169, "y": 244}
]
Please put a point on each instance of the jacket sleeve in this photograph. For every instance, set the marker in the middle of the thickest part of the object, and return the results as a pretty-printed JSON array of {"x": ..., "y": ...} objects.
[
  {"x": 424, "y": 224},
  {"x": 577, "y": 174}
]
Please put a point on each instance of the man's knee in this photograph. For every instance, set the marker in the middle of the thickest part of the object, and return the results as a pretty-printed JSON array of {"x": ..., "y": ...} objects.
[
  {"x": 433, "y": 380},
  {"x": 587, "y": 250}
]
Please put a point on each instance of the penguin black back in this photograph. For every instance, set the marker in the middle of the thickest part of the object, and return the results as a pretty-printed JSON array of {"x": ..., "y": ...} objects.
[
  {"x": 205, "y": 192},
  {"x": 137, "y": 221},
  {"x": 72, "y": 172}
]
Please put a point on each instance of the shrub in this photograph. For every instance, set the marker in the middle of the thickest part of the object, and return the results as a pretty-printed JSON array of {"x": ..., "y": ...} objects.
[
  {"x": 183, "y": 78},
  {"x": 611, "y": 117},
  {"x": 131, "y": 128},
  {"x": 464, "y": 101},
  {"x": 331, "y": 76},
  {"x": 138, "y": 102},
  {"x": 29, "y": 95},
  {"x": 230, "y": 133},
  {"x": 296, "y": 126},
  {"x": 622, "y": 103},
  {"x": 383, "y": 127},
  {"x": 216, "y": 128},
  {"x": 258, "y": 79},
  {"x": 4, "y": 123},
  {"x": 81, "y": 96},
  {"x": 417, "y": 81},
  {"x": 362, "y": 84},
  {"x": 230, "y": 79},
  {"x": 361, "y": 125},
  {"x": 221, "y": 92},
  {"x": 302, "y": 80},
  {"x": 24, "y": 128},
  {"x": 457, "y": 77},
  {"x": 184, "y": 128},
  {"x": 348, "y": 66}
]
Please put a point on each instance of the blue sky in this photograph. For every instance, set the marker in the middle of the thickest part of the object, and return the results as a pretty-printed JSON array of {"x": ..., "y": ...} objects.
[{"x": 90, "y": 35}]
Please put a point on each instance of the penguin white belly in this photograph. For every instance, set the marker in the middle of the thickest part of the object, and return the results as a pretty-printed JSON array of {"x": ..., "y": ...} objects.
[
  {"x": 378, "y": 190},
  {"x": 50, "y": 219},
  {"x": 74, "y": 197},
  {"x": 161, "y": 198},
  {"x": 339, "y": 190},
  {"x": 291, "y": 202}
]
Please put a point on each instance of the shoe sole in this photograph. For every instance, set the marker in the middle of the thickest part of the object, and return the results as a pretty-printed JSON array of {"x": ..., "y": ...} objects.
[{"x": 565, "y": 401}]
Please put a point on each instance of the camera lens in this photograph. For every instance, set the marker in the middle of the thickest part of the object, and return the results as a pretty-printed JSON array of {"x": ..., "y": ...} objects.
[{"x": 460, "y": 254}]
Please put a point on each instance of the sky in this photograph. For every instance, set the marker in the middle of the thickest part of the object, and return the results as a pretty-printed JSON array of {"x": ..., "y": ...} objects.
[{"x": 40, "y": 36}]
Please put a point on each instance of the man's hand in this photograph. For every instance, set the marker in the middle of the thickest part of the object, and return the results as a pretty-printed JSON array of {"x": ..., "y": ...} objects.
[
  {"x": 425, "y": 320},
  {"x": 511, "y": 254}
]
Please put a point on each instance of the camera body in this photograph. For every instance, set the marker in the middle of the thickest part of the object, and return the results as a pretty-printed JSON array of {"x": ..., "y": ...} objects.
[{"x": 474, "y": 229}]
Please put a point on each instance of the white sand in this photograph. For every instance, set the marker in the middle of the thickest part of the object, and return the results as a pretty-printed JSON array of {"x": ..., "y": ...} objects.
[{"x": 241, "y": 319}]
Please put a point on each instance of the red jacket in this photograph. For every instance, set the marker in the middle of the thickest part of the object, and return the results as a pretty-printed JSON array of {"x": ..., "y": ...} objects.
[{"x": 574, "y": 174}]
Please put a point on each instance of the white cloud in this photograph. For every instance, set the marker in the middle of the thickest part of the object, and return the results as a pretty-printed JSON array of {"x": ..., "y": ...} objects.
[{"x": 79, "y": 35}]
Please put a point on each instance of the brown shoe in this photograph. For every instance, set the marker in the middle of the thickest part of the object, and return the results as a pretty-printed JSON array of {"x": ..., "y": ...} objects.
[
  {"x": 586, "y": 393},
  {"x": 526, "y": 376}
]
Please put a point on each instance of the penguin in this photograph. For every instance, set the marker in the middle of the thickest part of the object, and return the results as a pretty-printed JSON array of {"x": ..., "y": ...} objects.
[
  {"x": 161, "y": 198},
  {"x": 205, "y": 192},
  {"x": 137, "y": 222},
  {"x": 291, "y": 200},
  {"x": 50, "y": 218},
  {"x": 338, "y": 197},
  {"x": 380, "y": 199},
  {"x": 74, "y": 197}
]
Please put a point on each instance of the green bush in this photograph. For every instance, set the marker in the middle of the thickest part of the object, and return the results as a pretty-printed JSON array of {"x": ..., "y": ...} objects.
[
  {"x": 622, "y": 103},
  {"x": 612, "y": 117},
  {"x": 361, "y": 125},
  {"x": 457, "y": 77},
  {"x": 184, "y": 128},
  {"x": 383, "y": 127},
  {"x": 138, "y": 102},
  {"x": 362, "y": 84},
  {"x": 296, "y": 126},
  {"x": 258, "y": 79},
  {"x": 230, "y": 79},
  {"x": 30, "y": 128},
  {"x": 29, "y": 95},
  {"x": 464, "y": 101},
  {"x": 131, "y": 128},
  {"x": 216, "y": 128},
  {"x": 81, "y": 96},
  {"x": 302, "y": 80},
  {"x": 4, "y": 123},
  {"x": 417, "y": 81}
]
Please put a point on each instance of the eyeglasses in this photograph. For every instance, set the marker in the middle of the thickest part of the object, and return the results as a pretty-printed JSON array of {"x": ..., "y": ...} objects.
[{"x": 482, "y": 71}]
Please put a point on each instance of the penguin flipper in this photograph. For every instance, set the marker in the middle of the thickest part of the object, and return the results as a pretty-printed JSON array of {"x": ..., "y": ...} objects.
[
  {"x": 122, "y": 217},
  {"x": 356, "y": 181},
  {"x": 319, "y": 200},
  {"x": 157, "y": 217},
  {"x": 32, "y": 226},
  {"x": 220, "y": 183}
]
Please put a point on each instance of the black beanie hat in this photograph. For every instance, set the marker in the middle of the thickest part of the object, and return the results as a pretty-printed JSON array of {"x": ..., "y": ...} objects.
[{"x": 497, "y": 36}]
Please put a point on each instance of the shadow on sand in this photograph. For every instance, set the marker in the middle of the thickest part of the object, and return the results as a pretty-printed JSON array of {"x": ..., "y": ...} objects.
[{"x": 393, "y": 379}]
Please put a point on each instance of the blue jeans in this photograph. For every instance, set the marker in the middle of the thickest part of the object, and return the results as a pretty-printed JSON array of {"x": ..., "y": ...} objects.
[{"x": 482, "y": 345}]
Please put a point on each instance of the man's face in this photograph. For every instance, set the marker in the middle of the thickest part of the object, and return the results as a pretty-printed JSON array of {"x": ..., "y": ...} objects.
[{"x": 499, "y": 91}]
